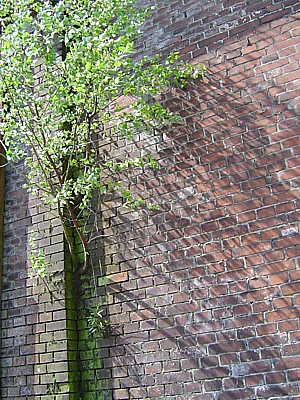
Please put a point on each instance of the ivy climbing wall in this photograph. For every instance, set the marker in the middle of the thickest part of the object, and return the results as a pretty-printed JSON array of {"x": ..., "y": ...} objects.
[{"x": 201, "y": 295}]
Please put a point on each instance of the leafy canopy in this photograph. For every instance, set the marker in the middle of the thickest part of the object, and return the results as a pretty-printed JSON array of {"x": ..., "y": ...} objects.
[{"x": 65, "y": 68}]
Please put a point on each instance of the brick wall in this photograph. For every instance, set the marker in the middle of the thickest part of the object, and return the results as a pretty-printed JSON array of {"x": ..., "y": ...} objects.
[
  {"x": 2, "y": 181},
  {"x": 202, "y": 295},
  {"x": 38, "y": 339}
]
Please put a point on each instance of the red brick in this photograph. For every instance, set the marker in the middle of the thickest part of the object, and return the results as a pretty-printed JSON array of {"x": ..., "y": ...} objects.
[
  {"x": 290, "y": 288},
  {"x": 282, "y": 314},
  {"x": 278, "y": 279},
  {"x": 275, "y": 377},
  {"x": 285, "y": 326},
  {"x": 294, "y": 375}
]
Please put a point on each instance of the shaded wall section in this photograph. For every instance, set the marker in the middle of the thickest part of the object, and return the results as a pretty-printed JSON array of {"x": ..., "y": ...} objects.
[{"x": 2, "y": 180}]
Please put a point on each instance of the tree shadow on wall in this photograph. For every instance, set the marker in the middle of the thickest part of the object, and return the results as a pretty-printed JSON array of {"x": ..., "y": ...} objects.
[{"x": 194, "y": 271}]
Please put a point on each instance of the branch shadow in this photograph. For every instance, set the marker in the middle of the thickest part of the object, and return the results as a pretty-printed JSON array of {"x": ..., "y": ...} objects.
[{"x": 188, "y": 267}]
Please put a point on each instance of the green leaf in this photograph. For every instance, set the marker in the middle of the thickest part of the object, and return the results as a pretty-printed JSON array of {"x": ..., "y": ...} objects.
[{"x": 62, "y": 116}]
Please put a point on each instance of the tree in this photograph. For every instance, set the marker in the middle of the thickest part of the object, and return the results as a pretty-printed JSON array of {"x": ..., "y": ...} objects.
[{"x": 64, "y": 68}]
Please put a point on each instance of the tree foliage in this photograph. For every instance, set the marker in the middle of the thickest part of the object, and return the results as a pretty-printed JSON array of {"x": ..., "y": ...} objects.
[{"x": 65, "y": 68}]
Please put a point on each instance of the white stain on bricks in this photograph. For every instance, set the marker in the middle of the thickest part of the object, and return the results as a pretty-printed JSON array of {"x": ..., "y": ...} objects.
[
  {"x": 270, "y": 295},
  {"x": 186, "y": 192},
  {"x": 239, "y": 369},
  {"x": 289, "y": 231}
]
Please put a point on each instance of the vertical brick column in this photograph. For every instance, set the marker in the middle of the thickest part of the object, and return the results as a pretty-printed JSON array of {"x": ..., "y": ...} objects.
[{"x": 39, "y": 342}]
